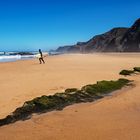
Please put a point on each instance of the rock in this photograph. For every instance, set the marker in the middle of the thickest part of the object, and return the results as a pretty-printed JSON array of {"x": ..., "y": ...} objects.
[{"x": 116, "y": 40}]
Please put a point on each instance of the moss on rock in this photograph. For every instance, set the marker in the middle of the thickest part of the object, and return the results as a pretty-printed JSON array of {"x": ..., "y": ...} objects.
[
  {"x": 137, "y": 69},
  {"x": 58, "y": 101},
  {"x": 127, "y": 72}
]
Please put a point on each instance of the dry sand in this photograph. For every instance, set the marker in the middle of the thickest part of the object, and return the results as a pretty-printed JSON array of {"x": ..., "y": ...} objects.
[{"x": 112, "y": 118}]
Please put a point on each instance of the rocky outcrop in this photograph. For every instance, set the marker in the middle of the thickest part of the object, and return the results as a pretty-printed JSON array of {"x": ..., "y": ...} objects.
[
  {"x": 115, "y": 40},
  {"x": 107, "y": 42},
  {"x": 21, "y": 53},
  {"x": 131, "y": 39},
  {"x": 58, "y": 101}
]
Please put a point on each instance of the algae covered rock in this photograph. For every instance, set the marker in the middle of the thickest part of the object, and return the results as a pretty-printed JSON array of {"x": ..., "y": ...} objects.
[
  {"x": 126, "y": 72},
  {"x": 137, "y": 69},
  {"x": 58, "y": 101}
]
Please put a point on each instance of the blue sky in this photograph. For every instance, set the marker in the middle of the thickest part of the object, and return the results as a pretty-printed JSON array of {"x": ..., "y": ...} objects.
[{"x": 47, "y": 24}]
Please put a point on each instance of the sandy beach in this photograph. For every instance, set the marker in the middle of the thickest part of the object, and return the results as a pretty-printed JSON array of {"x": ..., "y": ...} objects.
[{"x": 113, "y": 118}]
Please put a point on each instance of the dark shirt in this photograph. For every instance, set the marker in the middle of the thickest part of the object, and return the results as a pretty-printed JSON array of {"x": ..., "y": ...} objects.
[{"x": 41, "y": 54}]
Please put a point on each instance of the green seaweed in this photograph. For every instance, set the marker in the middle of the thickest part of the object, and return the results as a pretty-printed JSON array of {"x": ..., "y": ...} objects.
[
  {"x": 137, "y": 69},
  {"x": 127, "y": 72},
  {"x": 58, "y": 101},
  {"x": 71, "y": 90}
]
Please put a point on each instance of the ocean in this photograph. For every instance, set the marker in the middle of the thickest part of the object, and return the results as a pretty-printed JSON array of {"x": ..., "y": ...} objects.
[{"x": 13, "y": 56}]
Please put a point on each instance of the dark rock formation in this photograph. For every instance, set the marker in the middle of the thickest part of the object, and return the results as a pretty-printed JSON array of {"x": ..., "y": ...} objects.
[
  {"x": 116, "y": 40},
  {"x": 131, "y": 39},
  {"x": 21, "y": 53},
  {"x": 107, "y": 42},
  {"x": 58, "y": 101}
]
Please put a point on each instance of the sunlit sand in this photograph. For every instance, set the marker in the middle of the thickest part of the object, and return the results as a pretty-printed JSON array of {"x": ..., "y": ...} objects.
[{"x": 115, "y": 117}]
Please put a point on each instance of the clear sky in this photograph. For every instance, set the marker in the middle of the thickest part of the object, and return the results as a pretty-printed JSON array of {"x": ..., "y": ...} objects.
[{"x": 47, "y": 24}]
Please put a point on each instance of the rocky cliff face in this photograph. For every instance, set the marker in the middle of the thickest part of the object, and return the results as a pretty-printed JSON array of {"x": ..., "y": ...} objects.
[
  {"x": 107, "y": 42},
  {"x": 131, "y": 40},
  {"x": 116, "y": 40}
]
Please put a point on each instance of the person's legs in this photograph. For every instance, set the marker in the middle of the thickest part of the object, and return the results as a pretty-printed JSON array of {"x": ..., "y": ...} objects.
[
  {"x": 43, "y": 61},
  {"x": 40, "y": 60}
]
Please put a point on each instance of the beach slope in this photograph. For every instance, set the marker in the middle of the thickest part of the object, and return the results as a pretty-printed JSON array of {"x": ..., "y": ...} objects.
[{"x": 115, "y": 117}]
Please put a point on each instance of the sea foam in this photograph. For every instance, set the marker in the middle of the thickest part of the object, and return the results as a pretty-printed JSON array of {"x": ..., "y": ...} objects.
[{"x": 10, "y": 58}]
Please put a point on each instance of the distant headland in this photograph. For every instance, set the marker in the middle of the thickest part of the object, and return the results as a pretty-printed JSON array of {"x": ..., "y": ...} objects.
[{"x": 119, "y": 39}]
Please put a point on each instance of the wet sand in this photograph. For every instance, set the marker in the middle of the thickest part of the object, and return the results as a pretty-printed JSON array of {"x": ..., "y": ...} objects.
[{"x": 112, "y": 118}]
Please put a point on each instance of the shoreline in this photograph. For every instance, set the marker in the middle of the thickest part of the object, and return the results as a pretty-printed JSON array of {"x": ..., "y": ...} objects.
[
  {"x": 13, "y": 75},
  {"x": 65, "y": 54}
]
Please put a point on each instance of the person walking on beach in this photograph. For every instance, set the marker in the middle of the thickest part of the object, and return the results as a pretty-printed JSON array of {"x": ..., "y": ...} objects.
[{"x": 41, "y": 57}]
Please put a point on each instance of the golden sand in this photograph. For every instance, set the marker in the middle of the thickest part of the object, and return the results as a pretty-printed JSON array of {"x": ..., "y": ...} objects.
[{"x": 112, "y": 118}]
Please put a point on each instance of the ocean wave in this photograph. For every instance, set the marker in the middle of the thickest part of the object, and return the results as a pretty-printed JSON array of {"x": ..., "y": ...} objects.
[{"x": 9, "y": 58}]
